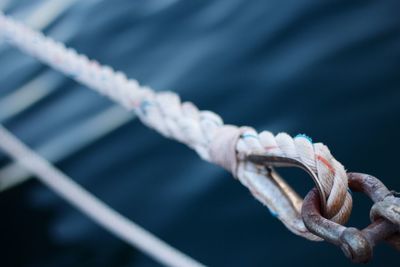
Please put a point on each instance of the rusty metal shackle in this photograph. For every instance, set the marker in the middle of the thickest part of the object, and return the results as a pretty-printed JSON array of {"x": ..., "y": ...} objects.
[{"x": 358, "y": 244}]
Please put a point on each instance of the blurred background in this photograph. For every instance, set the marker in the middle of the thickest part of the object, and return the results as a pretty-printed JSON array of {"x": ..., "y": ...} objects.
[{"x": 329, "y": 69}]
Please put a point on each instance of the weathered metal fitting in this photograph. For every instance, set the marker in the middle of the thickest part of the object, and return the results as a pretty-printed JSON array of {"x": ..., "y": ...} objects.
[
  {"x": 354, "y": 245},
  {"x": 389, "y": 209},
  {"x": 276, "y": 161},
  {"x": 357, "y": 244}
]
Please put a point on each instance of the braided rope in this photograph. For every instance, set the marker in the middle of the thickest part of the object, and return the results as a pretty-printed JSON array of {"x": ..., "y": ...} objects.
[{"x": 203, "y": 131}]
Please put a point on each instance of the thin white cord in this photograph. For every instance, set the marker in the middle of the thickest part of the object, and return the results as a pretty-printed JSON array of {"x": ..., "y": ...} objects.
[
  {"x": 91, "y": 206},
  {"x": 69, "y": 142}
]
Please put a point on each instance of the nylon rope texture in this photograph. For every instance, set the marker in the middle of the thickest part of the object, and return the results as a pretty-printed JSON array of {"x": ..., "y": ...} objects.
[{"x": 203, "y": 131}]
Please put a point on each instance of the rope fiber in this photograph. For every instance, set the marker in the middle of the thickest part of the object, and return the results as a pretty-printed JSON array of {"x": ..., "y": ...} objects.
[{"x": 203, "y": 131}]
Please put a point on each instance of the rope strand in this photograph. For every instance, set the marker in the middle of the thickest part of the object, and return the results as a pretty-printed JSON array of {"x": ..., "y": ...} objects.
[{"x": 204, "y": 131}]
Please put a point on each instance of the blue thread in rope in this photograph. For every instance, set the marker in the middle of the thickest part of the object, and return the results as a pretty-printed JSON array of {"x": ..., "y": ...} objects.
[
  {"x": 143, "y": 106},
  {"x": 249, "y": 136},
  {"x": 304, "y": 136},
  {"x": 273, "y": 213}
]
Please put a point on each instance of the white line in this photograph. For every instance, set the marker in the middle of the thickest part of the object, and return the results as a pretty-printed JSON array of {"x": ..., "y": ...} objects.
[
  {"x": 28, "y": 95},
  {"x": 91, "y": 206},
  {"x": 68, "y": 143}
]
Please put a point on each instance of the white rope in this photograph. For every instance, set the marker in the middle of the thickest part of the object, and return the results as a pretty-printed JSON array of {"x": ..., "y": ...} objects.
[
  {"x": 204, "y": 131},
  {"x": 91, "y": 206},
  {"x": 68, "y": 142}
]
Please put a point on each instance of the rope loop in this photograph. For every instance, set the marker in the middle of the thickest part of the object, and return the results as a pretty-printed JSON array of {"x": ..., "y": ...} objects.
[{"x": 232, "y": 147}]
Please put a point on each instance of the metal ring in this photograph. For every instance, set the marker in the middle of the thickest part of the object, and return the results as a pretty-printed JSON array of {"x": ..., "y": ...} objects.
[{"x": 357, "y": 245}]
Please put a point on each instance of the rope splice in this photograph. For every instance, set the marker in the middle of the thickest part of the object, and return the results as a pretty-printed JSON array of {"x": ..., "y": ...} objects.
[{"x": 241, "y": 150}]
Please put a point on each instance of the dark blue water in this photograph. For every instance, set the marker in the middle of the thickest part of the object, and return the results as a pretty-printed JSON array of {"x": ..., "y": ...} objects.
[{"x": 326, "y": 68}]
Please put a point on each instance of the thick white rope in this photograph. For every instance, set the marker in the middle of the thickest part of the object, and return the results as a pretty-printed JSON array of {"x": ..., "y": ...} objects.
[
  {"x": 91, "y": 206},
  {"x": 204, "y": 131}
]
